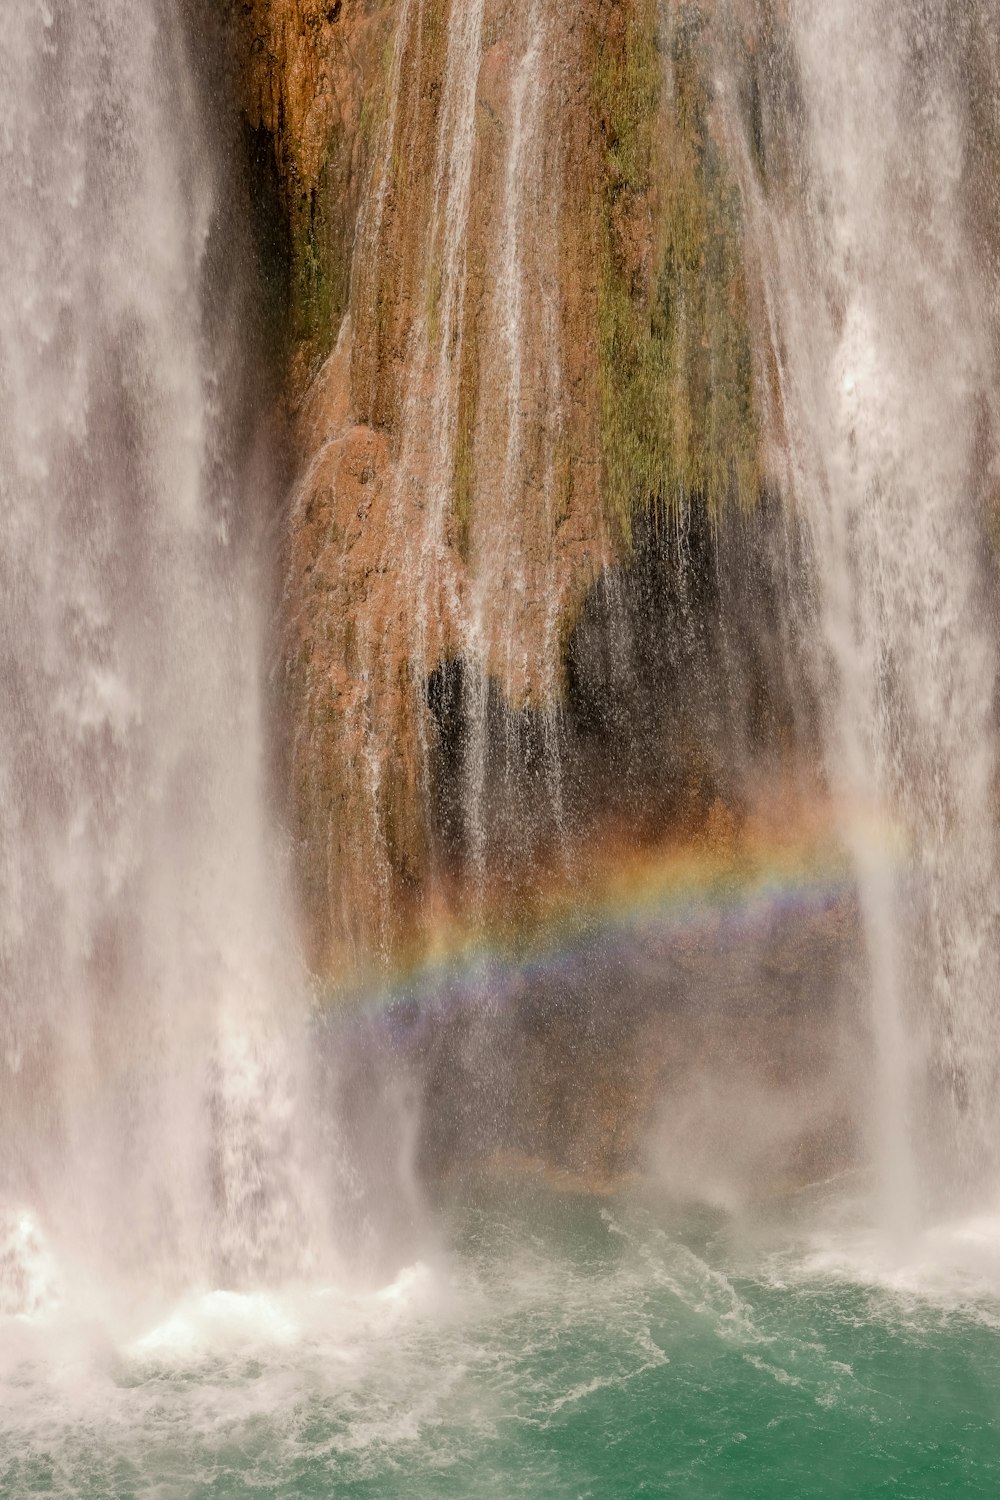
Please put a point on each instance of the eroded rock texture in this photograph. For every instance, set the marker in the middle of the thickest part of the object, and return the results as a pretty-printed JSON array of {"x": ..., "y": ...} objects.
[{"x": 522, "y": 389}]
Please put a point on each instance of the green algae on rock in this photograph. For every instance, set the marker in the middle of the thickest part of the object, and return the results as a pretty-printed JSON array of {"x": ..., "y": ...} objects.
[
  {"x": 518, "y": 331},
  {"x": 678, "y": 414}
]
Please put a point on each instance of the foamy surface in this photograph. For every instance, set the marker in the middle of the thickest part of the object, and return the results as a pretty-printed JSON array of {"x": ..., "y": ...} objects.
[{"x": 563, "y": 1349}]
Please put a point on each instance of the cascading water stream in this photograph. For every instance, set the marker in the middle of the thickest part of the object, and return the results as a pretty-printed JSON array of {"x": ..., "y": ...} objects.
[
  {"x": 880, "y": 319},
  {"x": 473, "y": 510},
  {"x": 526, "y": 383},
  {"x": 146, "y": 1120}
]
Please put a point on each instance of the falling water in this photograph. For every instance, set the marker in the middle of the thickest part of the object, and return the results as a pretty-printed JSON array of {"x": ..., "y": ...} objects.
[
  {"x": 429, "y": 441},
  {"x": 879, "y": 302},
  {"x": 147, "y": 1121},
  {"x": 151, "y": 1091},
  {"x": 473, "y": 515},
  {"x": 525, "y": 384}
]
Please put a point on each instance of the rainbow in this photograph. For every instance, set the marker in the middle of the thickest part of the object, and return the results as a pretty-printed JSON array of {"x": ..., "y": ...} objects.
[{"x": 669, "y": 894}]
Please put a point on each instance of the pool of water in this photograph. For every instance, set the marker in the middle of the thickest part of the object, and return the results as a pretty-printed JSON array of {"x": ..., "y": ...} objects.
[{"x": 556, "y": 1347}]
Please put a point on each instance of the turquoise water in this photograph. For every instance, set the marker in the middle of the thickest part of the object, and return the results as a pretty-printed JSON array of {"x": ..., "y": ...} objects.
[{"x": 561, "y": 1347}]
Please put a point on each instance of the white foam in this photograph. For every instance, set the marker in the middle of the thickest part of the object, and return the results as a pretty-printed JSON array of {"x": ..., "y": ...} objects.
[
  {"x": 953, "y": 1266},
  {"x": 28, "y": 1276},
  {"x": 218, "y": 1324}
]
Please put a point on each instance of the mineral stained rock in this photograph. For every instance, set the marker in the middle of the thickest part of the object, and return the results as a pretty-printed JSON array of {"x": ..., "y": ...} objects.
[{"x": 517, "y": 352}]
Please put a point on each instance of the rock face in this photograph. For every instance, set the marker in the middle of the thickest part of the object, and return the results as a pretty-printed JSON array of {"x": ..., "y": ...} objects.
[{"x": 522, "y": 391}]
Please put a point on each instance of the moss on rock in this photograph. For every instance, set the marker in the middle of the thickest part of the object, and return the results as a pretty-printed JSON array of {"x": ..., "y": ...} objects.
[{"x": 678, "y": 415}]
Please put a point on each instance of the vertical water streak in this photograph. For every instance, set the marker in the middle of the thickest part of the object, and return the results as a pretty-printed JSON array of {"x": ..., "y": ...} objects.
[
  {"x": 452, "y": 655},
  {"x": 425, "y": 462},
  {"x": 440, "y": 331},
  {"x": 370, "y": 226},
  {"x": 875, "y": 303},
  {"x": 500, "y": 584}
]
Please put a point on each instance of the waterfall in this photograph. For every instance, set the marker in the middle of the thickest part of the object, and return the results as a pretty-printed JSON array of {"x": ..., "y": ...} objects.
[
  {"x": 858, "y": 177},
  {"x": 147, "y": 1120}
]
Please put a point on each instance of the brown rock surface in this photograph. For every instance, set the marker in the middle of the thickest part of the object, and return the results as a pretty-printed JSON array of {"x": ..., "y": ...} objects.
[{"x": 468, "y": 188}]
